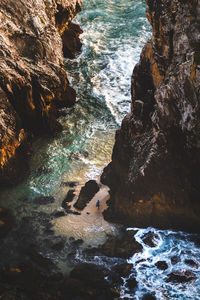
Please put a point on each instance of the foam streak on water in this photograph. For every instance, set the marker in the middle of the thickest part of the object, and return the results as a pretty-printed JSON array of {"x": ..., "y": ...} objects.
[{"x": 171, "y": 244}]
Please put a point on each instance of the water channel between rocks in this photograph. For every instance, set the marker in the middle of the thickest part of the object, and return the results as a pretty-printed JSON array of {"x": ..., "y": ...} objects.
[{"x": 114, "y": 34}]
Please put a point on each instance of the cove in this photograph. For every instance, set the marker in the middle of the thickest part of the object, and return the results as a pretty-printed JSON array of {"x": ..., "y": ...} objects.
[{"x": 114, "y": 33}]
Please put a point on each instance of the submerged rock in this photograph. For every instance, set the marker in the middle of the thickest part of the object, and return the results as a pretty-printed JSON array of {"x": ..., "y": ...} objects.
[
  {"x": 192, "y": 263},
  {"x": 181, "y": 276},
  {"x": 86, "y": 194},
  {"x": 71, "y": 184},
  {"x": 44, "y": 200},
  {"x": 69, "y": 197},
  {"x": 148, "y": 297},
  {"x": 151, "y": 239},
  {"x": 175, "y": 260}
]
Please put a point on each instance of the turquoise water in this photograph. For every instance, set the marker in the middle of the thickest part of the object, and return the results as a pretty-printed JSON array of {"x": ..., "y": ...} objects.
[{"x": 114, "y": 34}]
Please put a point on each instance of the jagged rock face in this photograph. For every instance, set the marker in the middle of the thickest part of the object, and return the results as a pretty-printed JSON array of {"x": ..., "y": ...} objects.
[
  {"x": 154, "y": 173},
  {"x": 33, "y": 82}
]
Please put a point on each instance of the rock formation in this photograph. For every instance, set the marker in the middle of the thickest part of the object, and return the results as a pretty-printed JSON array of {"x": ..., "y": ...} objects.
[
  {"x": 33, "y": 81},
  {"x": 154, "y": 174}
]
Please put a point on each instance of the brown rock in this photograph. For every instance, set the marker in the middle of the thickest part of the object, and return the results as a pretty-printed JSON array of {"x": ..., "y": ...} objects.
[
  {"x": 123, "y": 247},
  {"x": 150, "y": 185},
  {"x": 123, "y": 269},
  {"x": 131, "y": 283},
  {"x": 181, "y": 277},
  {"x": 33, "y": 81},
  {"x": 162, "y": 265},
  {"x": 151, "y": 239},
  {"x": 192, "y": 263}
]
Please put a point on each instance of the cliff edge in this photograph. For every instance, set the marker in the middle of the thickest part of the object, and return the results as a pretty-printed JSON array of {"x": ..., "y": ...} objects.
[
  {"x": 33, "y": 82},
  {"x": 154, "y": 174}
]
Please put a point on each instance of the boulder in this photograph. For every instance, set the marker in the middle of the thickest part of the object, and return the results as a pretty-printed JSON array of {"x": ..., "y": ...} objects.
[
  {"x": 86, "y": 194},
  {"x": 123, "y": 269},
  {"x": 162, "y": 265},
  {"x": 88, "y": 282},
  {"x": 192, "y": 263},
  {"x": 68, "y": 198},
  {"x": 131, "y": 283},
  {"x": 124, "y": 246},
  {"x": 181, "y": 276},
  {"x": 175, "y": 260},
  {"x": 151, "y": 239},
  {"x": 148, "y": 297}
]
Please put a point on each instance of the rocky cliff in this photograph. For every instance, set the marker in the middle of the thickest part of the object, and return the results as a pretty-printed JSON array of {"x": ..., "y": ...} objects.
[
  {"x": 33, "y": 82},
  {"x": 154, "y": 174}
]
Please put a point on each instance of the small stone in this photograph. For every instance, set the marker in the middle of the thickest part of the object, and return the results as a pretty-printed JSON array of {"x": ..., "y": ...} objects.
[
  {"x": 181, "y": 277},
  {"x": 132, "y": 283},
  {"x": 175, "y": 260},
  {"x": 162, "y": 265},
  {"x": 192, "y": 263},
  {"x": 151, "y": 239}
]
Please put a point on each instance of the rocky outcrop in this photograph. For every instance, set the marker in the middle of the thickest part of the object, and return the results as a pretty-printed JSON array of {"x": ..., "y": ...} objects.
[
  {"x": 33, "y": 81},
  {"x": 154, "y": 173}
]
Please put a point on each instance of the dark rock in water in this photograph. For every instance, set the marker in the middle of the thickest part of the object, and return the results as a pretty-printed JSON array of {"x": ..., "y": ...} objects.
[
  {"x": 84, "y": 153},
  {"x": 131, "y": 283},
  {"x": 115, "y": 279},
  {"x": 69, "y": 197},
  {"x": 77, "y": 243},
  {"x": 6, "y": 221},
  {"x": 43, "y": 171},
  {"x": 44, "y": 200},
  {"x": 162, "y": 265},
  {"x": 181, "y": 277},
  {"x": 58, "y": 214},
  {"x": 86, "y": 194},
  {"x": 123, "y": 269},
  {"x": 139, "y": 261},
  {"x": 71, "y": 184},
  {"x": 87, "y": 281},
  {"x": 151, "y": 239},
  {"x": 148, "y": 297},
  {"x": 38, "y": 259},
  {"x": 58, "y": 246},
  {"x": 175, "y": 260},
  {"x": 192, "y": 263},
  {"x": 124, "y": 247}
]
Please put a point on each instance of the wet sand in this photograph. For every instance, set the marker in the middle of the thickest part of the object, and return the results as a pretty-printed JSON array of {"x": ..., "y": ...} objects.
[{"x": 90, "y": 226}]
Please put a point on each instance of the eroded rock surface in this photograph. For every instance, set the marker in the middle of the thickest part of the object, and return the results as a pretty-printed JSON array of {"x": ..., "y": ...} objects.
[
  {"x": 154, "y": 173},
  {"x": 33, "y": 81}
]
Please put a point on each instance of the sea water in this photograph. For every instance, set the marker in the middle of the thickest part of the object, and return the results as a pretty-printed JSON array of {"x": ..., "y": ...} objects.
[{"x": 114, "y": 34}]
